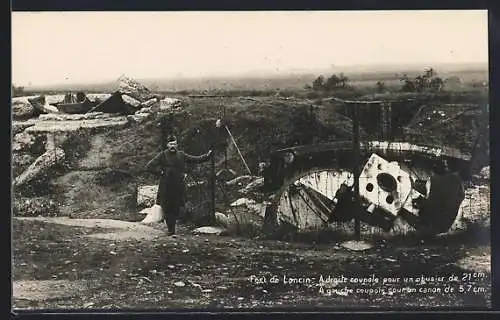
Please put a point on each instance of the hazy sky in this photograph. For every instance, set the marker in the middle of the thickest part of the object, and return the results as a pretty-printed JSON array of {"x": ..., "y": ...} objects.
[{"x": 58, "y": 47}]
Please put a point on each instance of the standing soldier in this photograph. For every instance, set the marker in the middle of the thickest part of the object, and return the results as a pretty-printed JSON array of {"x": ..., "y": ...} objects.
[{"x": 171, "y": 165}]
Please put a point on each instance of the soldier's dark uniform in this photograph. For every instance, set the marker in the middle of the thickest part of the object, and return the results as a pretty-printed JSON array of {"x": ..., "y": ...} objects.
[{"x": 172, "y": 190}]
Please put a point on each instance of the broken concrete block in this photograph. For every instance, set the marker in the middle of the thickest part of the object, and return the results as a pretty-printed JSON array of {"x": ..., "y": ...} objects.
[
  {"x": 131, "y": 101},
  {"x": 151, "y": 104},
  {"x": 146, "y": 195},
  {"x": 257, "y": 183},
  {"x": 239, "y": 181},
  {"x": 22, "y": 109},
  {"x": 20, "y": 126},
  {"x": 258, "y": 208},
  {"x": 356, "y": 245},
  {"x": 98, "y": 97},
  {"x": 76, "y": 125},
  {"x": 242, "y": 202},
  {"x": 170, "y": 103},
  {"x": 485, "y": 173},
  {"x": 222, "y": 219},
  {"x": 40, "y": 166},
  {"x": 139, "y": 117},
  {"x": 155, "y": 215},
  {"x": 23, "y": 141},
  {"x": 22, "y": 160},
  {"x": 208, "y": 230},
  {"x": 134, "y": 89},
  {"x": 69, "y": 117}
]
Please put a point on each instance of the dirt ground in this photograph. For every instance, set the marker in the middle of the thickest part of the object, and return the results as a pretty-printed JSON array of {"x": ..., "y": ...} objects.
[{"x": 103, "y": 264}]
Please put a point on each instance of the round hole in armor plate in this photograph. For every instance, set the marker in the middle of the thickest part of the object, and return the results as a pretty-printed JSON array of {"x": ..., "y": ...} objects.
[
  {"x": 387, "y": 182},
  {"x": 369, "y": 187},
  {"x": 389, "y": 199}
]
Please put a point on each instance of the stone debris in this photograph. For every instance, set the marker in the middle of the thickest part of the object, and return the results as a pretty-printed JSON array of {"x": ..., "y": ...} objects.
[
  {"x": 139, "y": 117},
  {"x": 242, "y": 202},
  {"x": 128, "y": 99},
  {"x": 356, "y": 245},
  {"x": 98, "y": 97},
  {"x": 21, "y": 160},
  {"x": 146, "y": 195},
  {"x": 252, "y": 186},
  {"x": 222, "y": 219},
  {"x": 241, "y": 180},
  {"x": 20, "y": 126},
  {"x": 40, "y": 166},
  {"x": 485, "y": 173},
  {"x": 22, "y": 108},
  {"x": 70, "y": 117},
  {"x": 153, "y": 103},
  {"x": 475, "y": 208},
  {"x": 134, "y": 89},
  {"x": 155, "y": 215},
  {"x": 23, "y": 141},
  {"x": 76, "y": 125},
  {"x": 170, "y": 103},
  {"x": 208, "y": 230}
]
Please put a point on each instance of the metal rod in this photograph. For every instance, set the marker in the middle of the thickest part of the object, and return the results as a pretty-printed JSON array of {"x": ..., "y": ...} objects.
[
  {"x": 356, "y": 151},
  {"x": 238, "y": 149}
]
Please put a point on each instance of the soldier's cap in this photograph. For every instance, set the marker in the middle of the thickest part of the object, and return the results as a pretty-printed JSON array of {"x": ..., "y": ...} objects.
[{"x": 172, "y": 138}]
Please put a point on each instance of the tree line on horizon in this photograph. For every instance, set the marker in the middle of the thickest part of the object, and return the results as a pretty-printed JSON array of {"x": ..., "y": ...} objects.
[{"x": 429, "y": 80}]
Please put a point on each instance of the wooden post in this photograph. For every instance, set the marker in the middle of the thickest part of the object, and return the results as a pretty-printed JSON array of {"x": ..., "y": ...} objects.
[
  {"x": 212, "y": 187},
  {"x": 225, "y": 150},
  {"x": 356, "y": 151}
]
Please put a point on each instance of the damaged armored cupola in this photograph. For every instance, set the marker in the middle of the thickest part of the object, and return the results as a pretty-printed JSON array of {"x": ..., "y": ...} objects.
[{"x": 384, "y": 184}]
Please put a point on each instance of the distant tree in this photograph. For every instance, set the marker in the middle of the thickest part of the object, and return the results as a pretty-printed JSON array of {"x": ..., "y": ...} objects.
[
  {"x": 408, "y": 84},
  {"x": 436, "y": 84},
  {"x": 380, "y": 86},
  {"x": 343, "y": 80},
  {"x": 307, "y": 87},
  {"x": 422, "y": 82},
  {"x": 17, "y": 91},
  {"x": 332, "y": 82},
  {"x": 319, "y": 83}
]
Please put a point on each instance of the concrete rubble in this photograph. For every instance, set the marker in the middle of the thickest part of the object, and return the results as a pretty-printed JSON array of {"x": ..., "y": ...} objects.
[
  {"x": 146, "y": 196},
  {"x": 76, "y": 125},
  {"x": 23, "y": 141},
  {"x": 40, "y": 166},
  {"x": 356, "y": 245},
  {"x": 154, "y": 214},
  {"x": 134, "y": 89},
  {"x": 22, "y": 108},
  {"x": 240, "y": 181},
  {"x": 208, "y": 230},
  {"x": 170, "y": 103}
]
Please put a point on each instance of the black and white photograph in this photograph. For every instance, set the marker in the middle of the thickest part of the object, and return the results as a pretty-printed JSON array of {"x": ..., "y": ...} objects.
[{"x": 250, "y": 160}]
